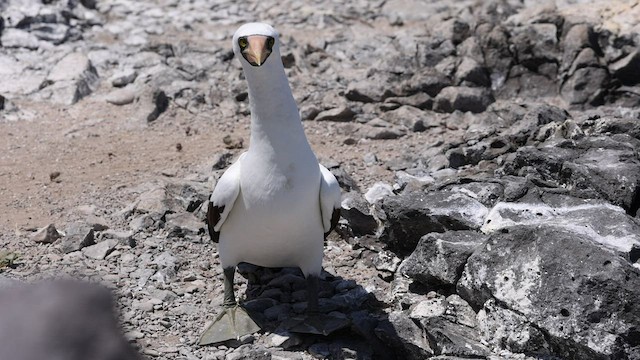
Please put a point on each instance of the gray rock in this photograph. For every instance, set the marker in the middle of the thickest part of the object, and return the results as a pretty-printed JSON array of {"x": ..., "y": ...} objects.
[
  {"x": 494, "y": 41},
  {"x": 77, "y": 236},
  {"x": 123, "y": 96},
  {"x": 427, "y": 80},
  {"x": 54, "y": 33},
  {"x": 587, "y": 57},
  {"x": 505, "y": 329},
  {"x": 603, "y": 223},
  {"x": 581, "y": 305},
  {"x": 249, "y": 352},
  {"x": 356, "y": 211},
  {"x": 469, "y": 71},
  {"x": 521, "y": 127},
  {"x": 462, "y": 98},
  {"x": 47, "y": 234},
  {"x": 374, "y": 89},
  {"x": 123, "y": 77},
  {"x": 410, "y": 117},
  {"x": 71, "y": 79},
  {"x": 63, "y": 320},
  {"x": 122, "y": 237},
  {"x": 407, "y": 338},
  {"x": 182, "y": 224},
  {"x": 18, "y": 38},
  {"x": 100, "y": 250},
  {"x": 626, "y": 69},
  {"x": 586, "y": 86},
  {"x": 578, "y": 167},
  {"x": 411, "y": 215},
  {"x": 453, "y": 339},
  {"x": 434, "y": 50},
  {"x": 418, "y": 100},
  {"x": 377, "y": 133},
  {"x": 536, "y": 43},
  {"x": 454, "y": 29},
  {"x": 576, "y": 40},
  {"x": 439, "y": 259},
  {"x": 341, "y": 114}
]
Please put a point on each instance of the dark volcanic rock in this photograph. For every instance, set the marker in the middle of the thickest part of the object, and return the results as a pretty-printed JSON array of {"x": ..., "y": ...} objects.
[
  {"x": 589, "y": 168},
  {"x": 504, "y": 328},
  {"x": 463, "y": 98},
  {"x": 586, "y": 86},
  {"x": 401, "y": 333},
  {"x": 427, "y": 80},
  {"x": 356, "y": 211},
  {"x": 77, "y": 236},
  {"x": 413, "y": 214},
  {"x": 581, "y": 296},
  {"x": 438, "y": 259},
  {"x": 454, "y": 339},
  {"x": 60, "y": 320},
  {"x": 627, "y": 68},
  {"x": 604, "y": 223}
]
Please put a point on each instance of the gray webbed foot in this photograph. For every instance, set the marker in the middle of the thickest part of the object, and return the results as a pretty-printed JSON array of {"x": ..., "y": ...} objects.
[{"x": 232, "y": 324}]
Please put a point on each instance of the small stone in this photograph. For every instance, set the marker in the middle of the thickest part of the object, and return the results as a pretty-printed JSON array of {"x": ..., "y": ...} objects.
[
  {"x": 124, "y": 77},
  {"x": 626, "y": 69},
  {"x": 181, "y": 224},
  {"x": 463, "y": 98},
  {"x": 285, "y": 340},
  {"x": 77, "y": 236},
  {"x": 123, "y": 96},
  {"x": 376, "y": 133},
  {"x": 122, "y": 237},
  {"x": 378, "y": 192},
  {"x": 386, "y": 261},
  {"x": 341, "y": 114},
  {"x": 100, "y": 250},
  {"x": 134, "y": 335},
  {"x": 47, "y": 234},
  {"x": 428, "y": 308},
  {"x": 231, "y": 142}
]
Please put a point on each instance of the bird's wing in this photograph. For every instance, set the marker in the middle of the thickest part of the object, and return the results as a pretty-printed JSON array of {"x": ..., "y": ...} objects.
[
  {"x": 329, "y": 200},
  {"x": 223, "y": 197}
]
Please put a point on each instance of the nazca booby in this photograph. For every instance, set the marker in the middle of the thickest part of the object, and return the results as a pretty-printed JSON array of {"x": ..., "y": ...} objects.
[{"x": 275, "y": 205}]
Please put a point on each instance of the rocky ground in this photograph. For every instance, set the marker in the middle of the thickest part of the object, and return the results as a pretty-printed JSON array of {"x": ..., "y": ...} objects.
[{"x": 487, "y": 150}]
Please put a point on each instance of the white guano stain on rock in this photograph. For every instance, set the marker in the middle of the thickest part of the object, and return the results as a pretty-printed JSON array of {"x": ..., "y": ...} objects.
[
  {"x": 514, "y": 286},
  {"x": 617, "y": 233}
]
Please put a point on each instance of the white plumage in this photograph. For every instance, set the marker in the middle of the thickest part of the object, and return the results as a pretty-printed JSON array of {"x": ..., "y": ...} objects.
[{"x": 276, "y": 202}]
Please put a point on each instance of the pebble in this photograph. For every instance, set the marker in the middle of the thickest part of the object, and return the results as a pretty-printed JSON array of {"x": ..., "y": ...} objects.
[
  {"x": 122, "y": 96},
  {"x": 100, "y": 250},
  {"x": 47, "y": 234}
]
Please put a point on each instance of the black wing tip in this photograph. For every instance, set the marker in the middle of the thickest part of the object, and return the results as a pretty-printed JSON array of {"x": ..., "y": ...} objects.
[
  {"x": 213, "y": 216},
  {"x": 335, "y": 216}
]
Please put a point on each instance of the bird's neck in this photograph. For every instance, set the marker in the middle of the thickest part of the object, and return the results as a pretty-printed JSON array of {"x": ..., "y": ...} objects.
[{"x": 275, "y": 120}]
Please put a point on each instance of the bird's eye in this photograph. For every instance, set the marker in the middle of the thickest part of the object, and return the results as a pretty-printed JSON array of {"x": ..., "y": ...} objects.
[
  {"x": 270, "y": 42},
  {"x": 243, "y": 43}
]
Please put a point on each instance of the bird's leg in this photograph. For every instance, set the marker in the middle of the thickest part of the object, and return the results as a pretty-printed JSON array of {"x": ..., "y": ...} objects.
[
  {"x": 312, "y": 295},
  {"x": 234, "y": 321},
  {"x": 229, "y": 296}
]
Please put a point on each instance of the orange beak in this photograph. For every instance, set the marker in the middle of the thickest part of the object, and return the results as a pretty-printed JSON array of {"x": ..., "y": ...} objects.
[{"x": 257, "y": 51}]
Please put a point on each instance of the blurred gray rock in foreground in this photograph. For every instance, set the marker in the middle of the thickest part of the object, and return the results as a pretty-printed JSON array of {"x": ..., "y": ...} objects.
[{"x": 60, "y": 320}]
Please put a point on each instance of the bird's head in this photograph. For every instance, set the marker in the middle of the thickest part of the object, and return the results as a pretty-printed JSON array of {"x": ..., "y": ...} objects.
[{"x": 255, "y": 42}]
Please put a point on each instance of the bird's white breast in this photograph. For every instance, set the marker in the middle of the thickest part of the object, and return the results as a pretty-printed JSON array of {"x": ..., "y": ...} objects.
[{"x": 276, "y": 219}]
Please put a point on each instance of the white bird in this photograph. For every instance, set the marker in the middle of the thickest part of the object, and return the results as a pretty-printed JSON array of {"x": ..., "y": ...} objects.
[{"x": 275, "y": 205}]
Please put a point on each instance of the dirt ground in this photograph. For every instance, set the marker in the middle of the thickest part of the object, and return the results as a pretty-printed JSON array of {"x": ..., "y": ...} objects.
[{"x": 99, "y": 153}]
